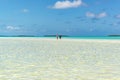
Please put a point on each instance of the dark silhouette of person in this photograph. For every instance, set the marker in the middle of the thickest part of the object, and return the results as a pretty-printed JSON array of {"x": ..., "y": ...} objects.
[{"x": 60, "y": 36}]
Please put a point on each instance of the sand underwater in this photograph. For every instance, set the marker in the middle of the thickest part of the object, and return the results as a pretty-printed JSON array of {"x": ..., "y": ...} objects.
[{"x": 66, "y": 59}]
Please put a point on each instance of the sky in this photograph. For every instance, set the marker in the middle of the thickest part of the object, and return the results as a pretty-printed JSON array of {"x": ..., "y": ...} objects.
[{"x": 67, "y": 17}]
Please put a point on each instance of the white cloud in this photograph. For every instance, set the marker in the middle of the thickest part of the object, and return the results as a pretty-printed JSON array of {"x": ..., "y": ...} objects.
[
  {"x": 67, "y": 4},
  {"x": 25, "y": 10},
  {"x": 93, "y": 15},
  {"x": 90, "y": 15},
  {"x": 101, "y": 15},
  {"x": 12, "y": 28}
]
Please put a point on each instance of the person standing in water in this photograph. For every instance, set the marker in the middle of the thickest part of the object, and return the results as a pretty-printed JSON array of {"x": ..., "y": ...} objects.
[
  {"x": 60, "y": 36},
  {"x": 57, "y": 36}
]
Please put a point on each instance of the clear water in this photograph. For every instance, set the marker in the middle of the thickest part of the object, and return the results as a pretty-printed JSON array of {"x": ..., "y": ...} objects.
[
  {"x": 73, "y": 37},
  {"x": 105, "y": 37},
  {"x": 78, "y": 37},
  {"x": 38, "y": 59}
]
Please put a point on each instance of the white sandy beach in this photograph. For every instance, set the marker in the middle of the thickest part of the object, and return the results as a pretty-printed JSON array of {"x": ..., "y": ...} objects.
[{"x": 66, "y": 59}]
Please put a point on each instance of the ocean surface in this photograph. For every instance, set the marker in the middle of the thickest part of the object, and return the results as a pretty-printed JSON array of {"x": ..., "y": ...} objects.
[
  {"x": 74, "y": 37},
  {"x": 87, "y": 37},
  {"x": 32, "y": 58},
  {"x": 103, "y": 37}
]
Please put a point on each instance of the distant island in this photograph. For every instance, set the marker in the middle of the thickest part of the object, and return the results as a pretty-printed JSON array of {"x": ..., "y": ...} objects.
[
  {"x": 31, "y": 36},
  {"x": 114, "y": 35},
  {"x": 17, "y": 36},
  {"x": 55, "y": 35}
]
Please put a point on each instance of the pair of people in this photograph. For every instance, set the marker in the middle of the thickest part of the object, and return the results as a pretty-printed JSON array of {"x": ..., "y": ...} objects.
[{"x": 58, "y": 36}]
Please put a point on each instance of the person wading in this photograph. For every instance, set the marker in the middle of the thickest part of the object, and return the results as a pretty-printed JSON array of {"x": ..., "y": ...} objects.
[
  {"x": 60, "y": 36},
  {"x": 57, "y": 36}
]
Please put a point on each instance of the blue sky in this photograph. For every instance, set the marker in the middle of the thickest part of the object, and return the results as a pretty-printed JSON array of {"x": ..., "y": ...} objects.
[{"x": 70, "y": 17}]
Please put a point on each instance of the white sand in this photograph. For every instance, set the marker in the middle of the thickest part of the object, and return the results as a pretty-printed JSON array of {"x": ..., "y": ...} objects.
[{"x": 51, "y": 59}]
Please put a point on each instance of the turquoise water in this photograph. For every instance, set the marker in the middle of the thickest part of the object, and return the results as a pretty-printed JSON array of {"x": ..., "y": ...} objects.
[
  {"x": 105, "y": 37},
  {"x": 73, "y": 37},
  {"x": 78, "y": 37}
]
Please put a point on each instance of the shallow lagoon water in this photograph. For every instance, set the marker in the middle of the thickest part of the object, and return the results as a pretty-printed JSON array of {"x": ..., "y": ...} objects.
[{"x": 66, "y": 59}]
